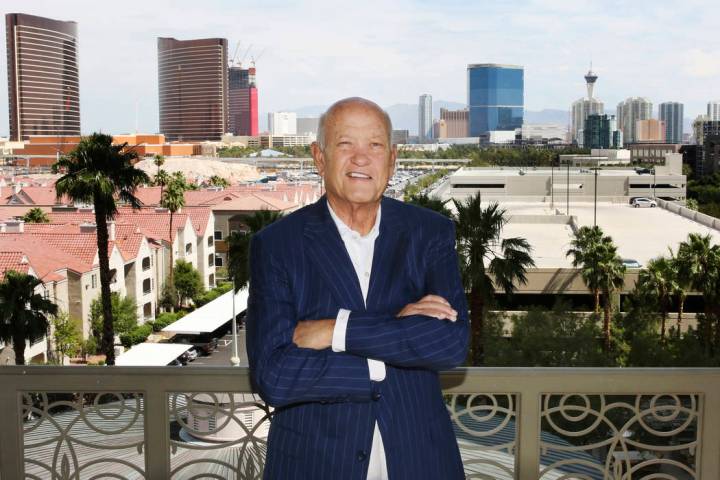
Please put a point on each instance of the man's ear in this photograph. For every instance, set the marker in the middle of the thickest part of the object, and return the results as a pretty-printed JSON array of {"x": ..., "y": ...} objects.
[
  {"x": 393, "y": 159},
  {"x": 318, "y": 158}
]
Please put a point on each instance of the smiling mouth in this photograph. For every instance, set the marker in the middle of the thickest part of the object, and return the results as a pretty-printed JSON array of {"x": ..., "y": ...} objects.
[{"x": 359, "y": 175}]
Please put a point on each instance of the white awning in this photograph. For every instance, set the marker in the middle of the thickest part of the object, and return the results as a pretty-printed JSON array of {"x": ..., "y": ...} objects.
[
  {"x": 152, "y": 354},
  {"x": 211, "y": 315}
]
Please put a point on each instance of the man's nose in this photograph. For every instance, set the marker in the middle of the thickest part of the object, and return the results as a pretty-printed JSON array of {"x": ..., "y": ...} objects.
[{"x": 360, "y": 157}]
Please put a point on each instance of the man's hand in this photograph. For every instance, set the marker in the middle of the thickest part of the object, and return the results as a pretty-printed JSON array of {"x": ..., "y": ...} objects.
[
  {"x": 431, "y": 306},
  {"x": 315, "y": 334}
]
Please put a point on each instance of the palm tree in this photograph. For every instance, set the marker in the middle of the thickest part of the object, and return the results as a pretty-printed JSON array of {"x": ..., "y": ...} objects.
[
  {"x": 101, "y": 173},
  {"x": 583, "y": 250},
  {"x": 218, "y": 181},
  {"x": 487, "y": 261},
  {"x": 659, "y": 280},
  {"x": 681, "y": 275},
  {"x": 239, "y": 246},
  {"x": 23, "y": 311},
  {"x": 159, "y": 161},
  {"x": 431, "y": 203},
  {"x": 174, "y": 199},
  {"x": 701, "y": 261},
  {"x": 36, "y": 215},
  {"x": 611, "y": 277}
]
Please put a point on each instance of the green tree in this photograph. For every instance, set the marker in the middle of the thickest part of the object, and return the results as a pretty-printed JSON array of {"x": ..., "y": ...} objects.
[
  {"x": 36, "y": 215},
  {"x": 174, "y": 199},
  {"x": 480, "y": 243},
  {"x": 101, "y": 173},
  {"x": 161, "y": 179},
  {"x": 611, "y": 273},
  {"x": 658, "y": 279},
  {"x": 187, "y": 281},
  {"x": 583, "y": 250},
  {"x": 23, "y": 312},
  {"x": 431, "y": 203},
  {"x": 124, "y": 312},
  {"x": 681, "y": 274},
  {"x": 218, "y": 181},
  {"x": 66, "y": 336},
  {"x": 239, "y": 246},
  {"x": 701, "y": 260}
]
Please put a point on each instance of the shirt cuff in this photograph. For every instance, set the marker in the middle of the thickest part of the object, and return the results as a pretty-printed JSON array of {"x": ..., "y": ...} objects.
[
  {"x": 377, "y": 370},
  {"x": 338, "y": 338}
]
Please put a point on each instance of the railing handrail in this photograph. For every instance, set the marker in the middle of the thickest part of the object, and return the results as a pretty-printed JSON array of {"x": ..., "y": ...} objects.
[{"x": 527, "y": 383}]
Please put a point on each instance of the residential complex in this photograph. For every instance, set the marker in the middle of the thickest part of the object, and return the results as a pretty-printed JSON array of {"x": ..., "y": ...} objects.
[
  {"x": 629, "y": 112},
  {"x": 43, "y": 78},
  {"x": 495, "y": 97},
  {"x": 193, "y": 88}
]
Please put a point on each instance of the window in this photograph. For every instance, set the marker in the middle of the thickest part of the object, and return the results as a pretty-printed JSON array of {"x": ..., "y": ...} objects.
[
  {"x": 211, "y": 260},
  {"x": 146, "y": 263},
  {"x": 218, "y": 235},
  {"x": 188, "y": 248},
  {"x": 218, "y": 261},
  {"x": 210, "y": 241},
  {"x": 147, "y": 310},
  {"x": 147, "y": 286},
  {"x": 478, "y": 185},
  {"x": 113, "y": 275},
  {"x": 93, "y": 280},
  {"x": 211, "y": 279}
]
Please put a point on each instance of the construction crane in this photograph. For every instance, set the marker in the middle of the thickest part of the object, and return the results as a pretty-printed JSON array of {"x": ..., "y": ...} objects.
[
  {"x": 255, "y": 59},
  {"x": 233, "y": 59},
  {"x": 245, "y": 54}
]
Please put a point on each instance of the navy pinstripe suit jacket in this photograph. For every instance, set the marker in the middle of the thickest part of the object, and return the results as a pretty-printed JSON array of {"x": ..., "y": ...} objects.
[{"x": 326, "y": 405}]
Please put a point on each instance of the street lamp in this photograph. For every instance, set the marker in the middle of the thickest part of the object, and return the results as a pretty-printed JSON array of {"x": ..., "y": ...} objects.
[
  {"x": 567, "y": 191},
  {"x": 235, "y": 359}
]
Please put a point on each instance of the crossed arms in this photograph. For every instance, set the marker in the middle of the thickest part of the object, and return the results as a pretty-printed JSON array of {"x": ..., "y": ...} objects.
[{"x": 290, "y": 361}]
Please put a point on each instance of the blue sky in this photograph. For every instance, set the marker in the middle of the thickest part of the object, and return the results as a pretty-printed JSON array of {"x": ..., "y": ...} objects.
[{"x": 391, "y": 52}]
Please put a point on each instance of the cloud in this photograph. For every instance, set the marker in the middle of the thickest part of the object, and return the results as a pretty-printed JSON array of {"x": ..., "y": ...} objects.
[{"x": 701, "y": 64}]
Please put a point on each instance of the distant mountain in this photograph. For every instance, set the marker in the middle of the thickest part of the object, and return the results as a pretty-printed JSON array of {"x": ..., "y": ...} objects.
[{"x": 547, "y": 115}]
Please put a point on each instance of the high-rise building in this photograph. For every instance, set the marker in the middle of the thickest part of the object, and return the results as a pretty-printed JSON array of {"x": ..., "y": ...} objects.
[
  {"x": 582, "y": 108},
  {"x": 308, "y": 125},
  {"x": 710, "y": 148},
  {"x": 650, "y": 131},
  {"x": 600, "y": 132},
  {"x": 697, "y": 127},
  {"x": 400, "y": 137},
  {"x": 713, "y": 110},
  {"x": 629, "y": 112},
  {"x": 425, "y": 119},
  {"x": 282, "y": 123},
  {"x": 43, "y": 83},
  {"x": 243, "y": 101},
  {"x": 496, "y": 97},
  {"x": 672, "y": 114},
  {"x": 456, "y": 122},
  {"x": 192, "y": 82}
]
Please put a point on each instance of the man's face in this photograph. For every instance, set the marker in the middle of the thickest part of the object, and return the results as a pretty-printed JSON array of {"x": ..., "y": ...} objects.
[{"x": 357, "y": 161}]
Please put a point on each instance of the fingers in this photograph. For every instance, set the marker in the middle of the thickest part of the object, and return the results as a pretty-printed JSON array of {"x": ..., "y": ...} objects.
[{"x": 431, "y": 306}]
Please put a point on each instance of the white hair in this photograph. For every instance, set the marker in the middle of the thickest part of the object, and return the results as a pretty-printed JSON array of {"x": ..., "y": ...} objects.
[{"x": 346, "y": 101}]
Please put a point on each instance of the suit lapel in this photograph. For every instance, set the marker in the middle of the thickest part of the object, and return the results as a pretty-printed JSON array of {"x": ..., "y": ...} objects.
[
  {"x": 387, "y": 256},
  {"x": 328, "y": 253}
]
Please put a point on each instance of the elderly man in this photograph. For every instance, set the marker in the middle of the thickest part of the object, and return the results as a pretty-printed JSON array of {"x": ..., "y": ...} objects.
[{"x": 355, "y": 304}]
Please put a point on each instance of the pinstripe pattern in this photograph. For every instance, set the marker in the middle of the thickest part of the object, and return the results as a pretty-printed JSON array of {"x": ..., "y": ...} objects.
[{"x": 326, "y": 406}]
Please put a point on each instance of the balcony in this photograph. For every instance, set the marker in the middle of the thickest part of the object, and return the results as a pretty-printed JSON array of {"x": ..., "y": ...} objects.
[{"x": 527, "y": 423}]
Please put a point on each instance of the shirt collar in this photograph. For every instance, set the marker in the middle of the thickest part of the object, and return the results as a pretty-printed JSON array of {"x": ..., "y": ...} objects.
[{"x": 345, "y": 230}]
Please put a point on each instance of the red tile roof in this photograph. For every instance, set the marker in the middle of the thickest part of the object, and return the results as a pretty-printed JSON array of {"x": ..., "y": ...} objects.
[
  {"x": 13, "y": 261},
  {"x": 255, "y": 201},
  {"x": 128, "y": 238},
  {"x": 200, "y": 217},
  {"x": 48, "y": 262},
  {"x": 34, "y": 195}
]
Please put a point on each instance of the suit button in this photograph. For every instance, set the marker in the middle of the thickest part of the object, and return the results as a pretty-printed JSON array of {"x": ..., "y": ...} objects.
[
  {"x": 376, "y": 396},
  {"x": 361, "y": 455}
]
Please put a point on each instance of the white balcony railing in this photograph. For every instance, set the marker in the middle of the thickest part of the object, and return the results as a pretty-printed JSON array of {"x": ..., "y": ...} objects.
[{"x": 523, "y": 423}]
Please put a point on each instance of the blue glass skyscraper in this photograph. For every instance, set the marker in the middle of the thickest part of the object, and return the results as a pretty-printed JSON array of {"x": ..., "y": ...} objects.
[{"x": 495, "y": 97}]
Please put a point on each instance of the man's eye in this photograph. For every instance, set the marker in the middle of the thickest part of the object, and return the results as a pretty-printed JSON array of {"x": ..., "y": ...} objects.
[{"x": 376, "y": 144}]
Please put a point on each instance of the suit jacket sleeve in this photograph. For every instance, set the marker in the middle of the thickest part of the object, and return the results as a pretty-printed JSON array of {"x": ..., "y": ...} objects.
[
  {"x": 419, "y": 340},
  {"x": 283, "y": 372}
]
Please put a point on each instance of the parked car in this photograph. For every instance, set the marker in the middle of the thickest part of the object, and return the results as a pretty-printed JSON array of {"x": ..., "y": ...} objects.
[
  {"x": 631, "y": 263},
  {"x": 643, "y": 202},
  {"x": 192, "y": 354},
  {"x": 203, "y": 344}
]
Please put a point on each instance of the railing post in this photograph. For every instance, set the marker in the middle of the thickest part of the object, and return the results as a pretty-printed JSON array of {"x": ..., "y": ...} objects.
[
  {"x": 157, "y": 433},
  {"x": 709, "y": 438},
  {"x": 528, "y": 447},
  {"x": 11, "y": 431}
]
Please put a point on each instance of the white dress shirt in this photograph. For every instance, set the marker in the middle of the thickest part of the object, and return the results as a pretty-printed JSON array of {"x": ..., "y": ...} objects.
[{"x": 360, "y": 249}]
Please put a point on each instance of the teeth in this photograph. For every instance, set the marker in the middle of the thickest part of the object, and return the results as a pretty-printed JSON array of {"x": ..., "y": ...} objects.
[{"x": 358, "y": 175}]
